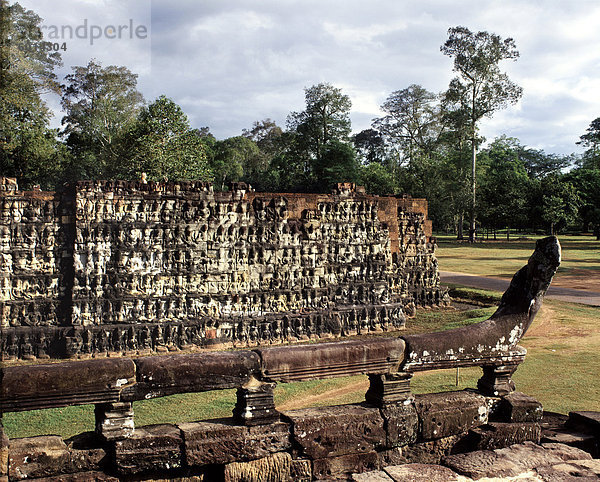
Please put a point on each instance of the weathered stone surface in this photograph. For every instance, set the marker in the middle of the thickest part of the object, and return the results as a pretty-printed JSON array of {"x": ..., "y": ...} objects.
[
  {"x": 429, "y": 452},
  {"x": 583, "y": 441},
  {"x": 492, "y": 343},
  {"x": 450, "y": 413},
  {"x": 220, "y": 442},
  {"x": 331, "y": 431},
  {"x": 518, "y": 407},
  {"x": 91, "y": 476},
  {"x": 3, "y": 451},
  {"x": 114, "y": 421},
  {"x": 511, "y": 461},
  {"x": 301, "y": 470},
  {"x": 373, "y": 476},
  {"x": 37, "y": 457},
  {"x": 585, "y": 420},
  {"x": 273, "y": 468},
  {"x": 401, "y": 424},
  {"x": 60, "y": 384},
  {"x": 389, "y": 389},
  {"x": 255, "y": 404},
  {"x": 87, "y": 453},
  {"x": 344, "y": 466},
  {"x": 497, "y": 435},
  {"x": 421, "y": 473},
  {"x": 158, "y": 376},
  {"x": 329, "y": 360},
  {"x": 139, "y": 267},
  {"x": 571, "y": 471},
  {"x": 150, "y": 448}
]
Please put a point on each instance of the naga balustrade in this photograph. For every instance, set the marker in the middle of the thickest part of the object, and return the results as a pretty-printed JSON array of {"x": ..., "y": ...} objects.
[{"x": 113, "y": 384}]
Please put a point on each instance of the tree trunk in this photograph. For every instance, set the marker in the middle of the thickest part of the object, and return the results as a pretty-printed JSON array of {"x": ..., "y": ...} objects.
[
  {"x": 473, "y": 170},
  {"x": 508, "y": 233},
  {"x": 461, "y": 220}
]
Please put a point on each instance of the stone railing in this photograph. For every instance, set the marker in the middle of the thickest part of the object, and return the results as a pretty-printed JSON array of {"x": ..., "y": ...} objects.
[{"x": 391, "y": 426}]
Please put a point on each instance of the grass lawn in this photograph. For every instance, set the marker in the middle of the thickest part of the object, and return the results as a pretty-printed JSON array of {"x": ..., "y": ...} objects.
[
  {"x": 560, "y": 371},
  {"x": 580, "y": 267}
]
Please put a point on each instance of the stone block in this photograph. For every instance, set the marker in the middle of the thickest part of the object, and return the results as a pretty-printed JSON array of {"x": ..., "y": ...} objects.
[
  {"x": 449, "y": 413},
  {"x": 114, "y": 421},
  {"x": 512, "y": 461},
  {"x": 421, "y": 473},
  {"x": 430, "y": 452},
  {"x": 373, "y": 476},
  {"x": 585, "y": 420},
  {"x": 164, "y": 375},
  {"x": 401, "y": 424},
  {"x": 36, "y": 457},
  {"x": 573, "y": 470},
  {"x": 339, "y": 430},
  {"x": 68, "y": 383},
  {"x": 518, "y": 407},
  {"x": 330, "y": 360},
  {"x": 4, "y": 443},
  {"x": 255, "y": 404},
  {"x": 344, "y": 466},
  {"x": 583, "y": 441},
  {"x": 151, "y": 448},
  {"x": 496, "y": 435},
  {"x": 91, "y": 476},
  {"x": 221, "y": 442},
  {"x": 273, "y": 468},
  {"x": 301, "y": 470}
]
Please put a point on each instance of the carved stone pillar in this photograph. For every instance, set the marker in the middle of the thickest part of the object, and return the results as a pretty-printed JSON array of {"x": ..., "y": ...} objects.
[
  {"x": 255, "y": 404},
  {"x": 496, "y": 380},
  {"x": 114, "y": 421},
  {"x": 387, "y": 389}
]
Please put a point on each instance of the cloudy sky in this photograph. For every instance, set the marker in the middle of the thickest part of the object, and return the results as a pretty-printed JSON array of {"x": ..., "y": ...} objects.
[{"x": 229, "y": 63}]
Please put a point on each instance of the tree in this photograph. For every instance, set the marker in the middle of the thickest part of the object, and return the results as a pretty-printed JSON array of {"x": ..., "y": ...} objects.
[
  {"x": 161, "y": 144},
  {"x": 504, "y": 187},
  {"x": 480, "y": 88},
  {"x": 560, "y": 202},
  {"x": 591, "y": 140},
  {"x": 337, "y": 164},
  {"x": 237, "y": 158},
  {"x": 377, "y": 179},
  {"x": 413, "y": 121},
  {"x": 101, "y": 103},
  {"x": 28, "y": 147},
  {"x": 325, "y": 119},
  {"x": 370, "y": 146}
]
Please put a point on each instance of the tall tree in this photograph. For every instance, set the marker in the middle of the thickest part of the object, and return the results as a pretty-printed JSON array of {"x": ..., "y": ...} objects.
[
  {"x": 370, "y": 146},
  {"x": 325, "y": 119},
  {"x": 28, "y": 147},
  {"x": 161, "y": 144},
  {"x": 481, "y": 88},
  {"x": 413, "y": 122},
  {"x": 591, "y": 140},
  {"x": 101, "y": 103}
]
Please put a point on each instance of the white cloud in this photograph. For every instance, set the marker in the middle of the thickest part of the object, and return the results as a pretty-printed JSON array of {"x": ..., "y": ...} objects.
[{"x": 232, "y": 62}]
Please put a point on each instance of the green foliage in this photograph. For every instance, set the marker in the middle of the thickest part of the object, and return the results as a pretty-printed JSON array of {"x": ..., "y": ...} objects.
[
  {"x": 560, "y": 202},
  {"x": 325, "y": 119},
  {"x": 337, "y": 164},
  {"x": 28, "y": 147},
  {"x": 377, "y": 179},
  {"x": 161, "y": 144},
  {"x": 101, "y": 104},
  {"x": 504, "y": 185}
]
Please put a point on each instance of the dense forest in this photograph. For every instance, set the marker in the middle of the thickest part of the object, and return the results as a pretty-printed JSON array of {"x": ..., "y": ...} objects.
[{"x": 426, "y": 144}]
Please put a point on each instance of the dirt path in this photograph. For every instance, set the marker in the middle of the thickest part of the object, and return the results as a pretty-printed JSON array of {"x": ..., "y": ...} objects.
[
  {"x": 585, "y": 297},
  {"x": 311, "y": 400}
]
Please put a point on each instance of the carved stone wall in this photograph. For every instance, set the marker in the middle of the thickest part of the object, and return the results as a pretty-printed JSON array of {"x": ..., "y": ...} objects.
[{"x": 130, "y": 266}]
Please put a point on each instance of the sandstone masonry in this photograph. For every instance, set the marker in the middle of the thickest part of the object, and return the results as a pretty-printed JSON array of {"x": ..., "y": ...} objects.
[{"x": 132, "y": 267}]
